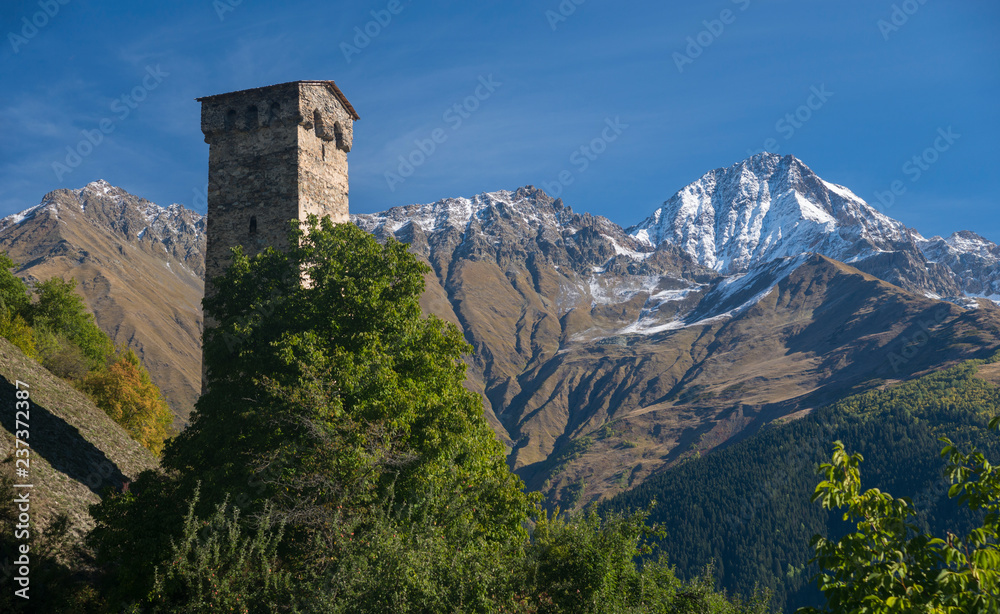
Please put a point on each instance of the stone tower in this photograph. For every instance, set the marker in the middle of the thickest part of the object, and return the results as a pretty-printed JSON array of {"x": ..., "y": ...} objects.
[{"x": 276, "y": 153}]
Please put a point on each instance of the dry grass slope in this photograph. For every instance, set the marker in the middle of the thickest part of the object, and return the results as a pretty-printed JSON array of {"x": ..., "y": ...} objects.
[{"x": 77, "y": 451}]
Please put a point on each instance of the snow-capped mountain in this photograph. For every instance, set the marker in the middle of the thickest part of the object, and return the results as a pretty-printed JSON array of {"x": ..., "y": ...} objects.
[
  {"x": 973, "y": 261},
  {"x": 177, "y": 230},
  {"x": 768, "y": 207},
  {"x": 502, "y": 221},
  {"x": 590, "y": 260},
  {"x": 734, "y": 294}
]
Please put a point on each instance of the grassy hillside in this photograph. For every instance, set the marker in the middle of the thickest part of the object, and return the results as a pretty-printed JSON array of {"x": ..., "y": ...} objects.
[
  {"x": 747, "y": 507},
  {"x": 76, "y": 449}
]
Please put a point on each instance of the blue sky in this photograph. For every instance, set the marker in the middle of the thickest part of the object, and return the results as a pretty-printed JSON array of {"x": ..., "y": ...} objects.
[{"x": 689, "y": 88}]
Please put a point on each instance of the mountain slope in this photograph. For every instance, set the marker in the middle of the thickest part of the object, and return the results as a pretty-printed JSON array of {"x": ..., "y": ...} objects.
[
  {"x": 748, "y": 507},
  {"x": 646, "y": 402},
  {"x": 973, "y": 260},
  {"x": 523, "y": 274},
  {"x": 604, "y": 356},
  {"x": 605, "y": 359},
  {"x": 139, "y": 268},
  {"x": 768, "y": 207},
  {"x": 76, "y": 449}
]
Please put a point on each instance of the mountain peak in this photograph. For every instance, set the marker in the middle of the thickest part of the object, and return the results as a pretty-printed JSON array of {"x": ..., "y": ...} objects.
[
  {"x": 529, "y": 203},
  {"x": 178, "y": 232},
  {"x": 765, "y": 207},
  {"x": 100, "y": 185}
]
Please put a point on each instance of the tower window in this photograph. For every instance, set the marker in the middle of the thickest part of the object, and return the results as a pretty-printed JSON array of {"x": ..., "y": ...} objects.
[
  {"x": 318, "y": 123},
  {"x": 252, "y": 120},
  {"x": 273, "y": 113},
  {"x": 253, "y": 225},
  {"x": 230, "y": 119},
  {"x": 338, "y": 134}
]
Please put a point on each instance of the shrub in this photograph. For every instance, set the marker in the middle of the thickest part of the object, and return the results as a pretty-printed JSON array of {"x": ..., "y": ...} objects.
[
  {"x": 15, "y": 329},
  {"x": 216, "y": 565},
  {"x": 125, "y": 391}
]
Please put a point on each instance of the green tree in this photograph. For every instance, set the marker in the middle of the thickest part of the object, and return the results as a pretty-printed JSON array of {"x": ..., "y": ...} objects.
[
  {"x": 68, "y": 338},
  {"x": 588, "y": 564},
  {"x": 888, "y": 564},
  {"x": 14, "y": 302},
  {"x": 332, "y": 399},
  {"x": 365, "y": 476},
  {"x": 16, "y": 329},
  {"x": 216, "y": 566},
  {"x": 344, "y": 356},
  {"x": 14, "y": 295}
]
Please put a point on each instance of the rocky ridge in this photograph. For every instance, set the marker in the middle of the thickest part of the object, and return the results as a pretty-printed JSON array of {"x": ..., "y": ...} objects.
[{"x": 599, "y": 348}]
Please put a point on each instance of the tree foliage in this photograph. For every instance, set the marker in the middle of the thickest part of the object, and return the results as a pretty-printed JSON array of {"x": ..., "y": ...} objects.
[
  {"x": 126, "y": 392},
  {"x": 16, "y": 329},
  {"x": 15, "y": 300},
  {"x": 889, "y": 564},
  {"x": 14, "y": 295},
  {"x": 586, "y": 563},
  {"x": 215, "y": 566},
  {"x": 340, "y": 381},
  {"x": 339, "y": 405},
  {"x": 55, "y": 328},
  {"x": 68, "y": 338}
]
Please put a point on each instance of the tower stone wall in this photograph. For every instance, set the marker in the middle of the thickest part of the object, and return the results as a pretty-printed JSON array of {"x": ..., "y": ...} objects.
[{"x": 276, "y": 153}]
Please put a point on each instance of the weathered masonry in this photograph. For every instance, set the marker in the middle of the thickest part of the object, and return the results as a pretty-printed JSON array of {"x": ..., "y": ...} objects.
[{"x": 276, "y": 153}]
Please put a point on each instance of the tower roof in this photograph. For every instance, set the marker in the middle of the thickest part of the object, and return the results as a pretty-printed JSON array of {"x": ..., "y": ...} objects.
[{"x": 330, "y": 85}]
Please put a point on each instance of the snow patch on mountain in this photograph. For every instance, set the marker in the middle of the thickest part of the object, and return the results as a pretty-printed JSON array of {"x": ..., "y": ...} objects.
[
  {"x": 650, "y": 321},
  {"x": 449, "y": 213},
  {"x": 527, "y": 208},
  {"x": 609, "y": 290},
  {"x": 177, "y": 230},
  {"x": 23, "y": 216}
]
